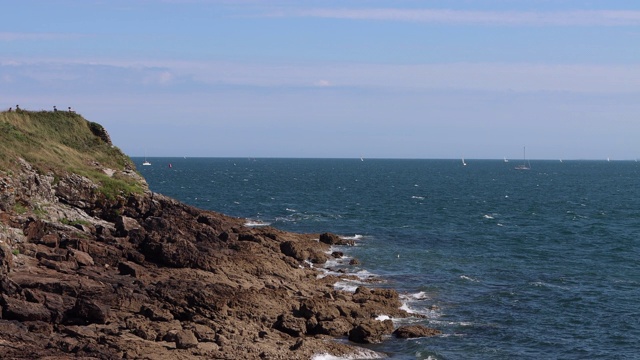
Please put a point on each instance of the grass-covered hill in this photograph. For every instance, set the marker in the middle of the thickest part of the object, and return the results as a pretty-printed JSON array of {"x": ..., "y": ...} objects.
[{"x": 62, "y": 143}]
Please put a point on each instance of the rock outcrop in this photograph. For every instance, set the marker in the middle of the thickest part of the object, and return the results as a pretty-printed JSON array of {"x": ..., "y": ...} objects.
[{"x": 144, "y": 276}]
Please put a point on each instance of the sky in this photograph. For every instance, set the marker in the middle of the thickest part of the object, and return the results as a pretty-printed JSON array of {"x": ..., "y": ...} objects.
[{"x": 479, "y": 79}]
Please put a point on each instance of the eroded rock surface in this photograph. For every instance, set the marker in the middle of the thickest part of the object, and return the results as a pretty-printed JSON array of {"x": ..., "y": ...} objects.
[{"x": 151, "y": 278}]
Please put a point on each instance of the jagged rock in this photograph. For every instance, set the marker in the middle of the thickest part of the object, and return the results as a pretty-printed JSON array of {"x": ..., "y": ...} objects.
[
  {"x": 156, "y": 314},
  {"x": 371, "y": 331},
  {"x": 304, "y": 250},
  {"x": 90, "y": 311},
  {"x": 82, "y": 258},
  {"x": 125, "y": 224},
  {"x": 291, "y": 325},
  {"x": 185, "y": 339},
  {"x": 319, "y": 309},
  {"x": 77, "y": 191},
  {"x": 6, "y": 259},
  {"x": 415, "y": 331},
  {"x": 333, "y": 239},
  {"x": 15, "y": 309},
  {"x": 129, "y": 268},
  {"x": 337, "y": 327}
]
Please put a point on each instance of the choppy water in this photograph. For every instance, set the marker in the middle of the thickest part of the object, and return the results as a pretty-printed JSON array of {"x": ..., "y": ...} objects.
[{"x": 535, "y": 264}]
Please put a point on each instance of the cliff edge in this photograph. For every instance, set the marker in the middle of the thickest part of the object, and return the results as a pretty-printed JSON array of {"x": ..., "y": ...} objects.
[{"x": 94, "y": 265}]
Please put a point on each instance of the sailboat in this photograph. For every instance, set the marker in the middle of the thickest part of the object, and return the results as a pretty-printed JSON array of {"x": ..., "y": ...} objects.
[
  {"x": 146, "y": 163},
  {"x": 463, "y": 163},
  {"x": 525, "y": 164}
]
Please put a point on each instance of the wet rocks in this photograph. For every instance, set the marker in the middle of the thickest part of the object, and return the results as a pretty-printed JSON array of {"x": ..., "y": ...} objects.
[
  {"x": 415, "y": 331},
  {"x": 147, "y": 276}
]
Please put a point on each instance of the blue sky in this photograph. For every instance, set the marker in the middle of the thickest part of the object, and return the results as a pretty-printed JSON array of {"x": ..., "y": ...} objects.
[{"x": 379, "y": 79}]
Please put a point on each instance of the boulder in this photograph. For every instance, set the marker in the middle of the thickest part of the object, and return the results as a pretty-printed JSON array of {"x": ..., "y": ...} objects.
[
  {"x": 125, "y": 224},
  {"x": 291, "y": 325},
  {"x": 81, "y": 257},
  {"x": 186, "y": 339},
  {"x": 333, "y": 239},
  {"x": 371, "y": 331},
  {"x": 415, "y": 331}
]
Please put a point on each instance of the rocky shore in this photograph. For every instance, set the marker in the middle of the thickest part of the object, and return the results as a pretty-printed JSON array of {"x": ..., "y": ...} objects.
[{"x": 143, "y": 276}]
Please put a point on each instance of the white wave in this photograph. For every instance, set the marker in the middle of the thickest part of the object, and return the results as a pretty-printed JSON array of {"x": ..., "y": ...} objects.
[
  {"x": 362, "y": 354},
  {"x": 418, "y": 197},
  {"x": 405, "y": 306},
  {"x": 347, "y": 285},
  {"x": 465, "y": 277},
  {"x": 364, "y": 275},
  {"x": 547, "y": 285},
  {"x": 383, "y": 317},
  {"x": 326, "y": 272},
  {"x": 419, "y": 295},
  {"x": 487, "y": 216},
  {"x": 291, "y": 210},
  {"x": 256, "y": 223},
  {"x": 450, "y": 323},
  {"x": 354, "y": 237}
]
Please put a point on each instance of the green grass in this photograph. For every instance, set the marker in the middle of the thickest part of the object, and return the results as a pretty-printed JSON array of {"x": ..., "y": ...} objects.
[{"x": 62, "y": 143}]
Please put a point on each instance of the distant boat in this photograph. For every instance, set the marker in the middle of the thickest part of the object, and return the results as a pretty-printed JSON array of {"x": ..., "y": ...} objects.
[
  {"x": 146, "y": 163},
  {"x": 506, "y": 160},
  {"x": 525, "y": 164},
  {"x": 463, "y": 163}
]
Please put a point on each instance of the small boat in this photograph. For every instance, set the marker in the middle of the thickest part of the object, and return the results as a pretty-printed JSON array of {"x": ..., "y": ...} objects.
[
  {"x": 463, "y": 163},
  {"x": 525, "y": 164},
  {"x": 506, "y": 160},
  {"x": 146, "y": 163}
]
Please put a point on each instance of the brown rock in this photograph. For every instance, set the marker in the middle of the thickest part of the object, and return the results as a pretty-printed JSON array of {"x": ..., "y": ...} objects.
[
  {"x": 90, "y": 311},
  {"x": 371, "y": 331},
  {"x": 125, "y": 224},
  {"x": 293, "y": 326},
  {"x": 130, "y": 268},
  {"x": 82, "y": 258},
  {"x": 415, "y": 331},
  {"x": 333, "y": 239},
  {"x": 185, "y": 339},
  {"x": 6, "y": 259},
  {"x": 15, "y": 309},
  {"x": 156, "y": 314}
]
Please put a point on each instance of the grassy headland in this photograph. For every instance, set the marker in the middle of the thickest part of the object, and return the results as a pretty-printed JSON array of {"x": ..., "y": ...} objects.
[{"x": 62, "y": 143}]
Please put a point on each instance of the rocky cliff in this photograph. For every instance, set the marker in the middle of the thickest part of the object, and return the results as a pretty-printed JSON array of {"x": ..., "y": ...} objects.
[{"x": 94, "y": 265}]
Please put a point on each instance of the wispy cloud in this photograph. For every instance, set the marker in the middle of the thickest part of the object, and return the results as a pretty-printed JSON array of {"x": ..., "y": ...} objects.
[
  {"x": 490, "y": 18},
  {"x": 140, "y": 75},
  {"x": 14, "y": 36}
]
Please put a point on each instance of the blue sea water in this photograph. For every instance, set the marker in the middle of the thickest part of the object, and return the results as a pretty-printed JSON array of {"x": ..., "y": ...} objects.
[{"x": 508, "y": 264}]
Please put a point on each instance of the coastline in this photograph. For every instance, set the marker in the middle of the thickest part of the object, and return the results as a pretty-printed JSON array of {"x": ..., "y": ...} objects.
[{"x": 149, "y": 277}]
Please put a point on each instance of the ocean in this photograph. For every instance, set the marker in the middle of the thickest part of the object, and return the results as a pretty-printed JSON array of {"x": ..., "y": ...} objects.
[{"x": 508, "y": 264}]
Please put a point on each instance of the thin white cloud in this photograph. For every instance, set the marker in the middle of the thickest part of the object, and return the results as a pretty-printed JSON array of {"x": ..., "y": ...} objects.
[
  {"x": 520, "y": 77},
  {"x": 13, "y": 36},
  {"x": 323, "y": 83},
  {"x": 497, "y": 18}
]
